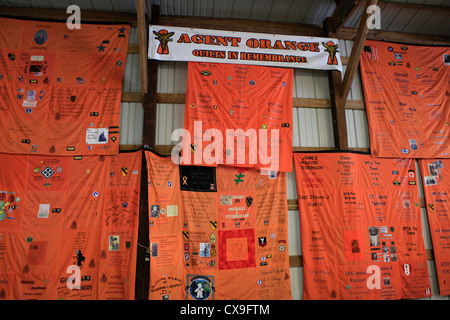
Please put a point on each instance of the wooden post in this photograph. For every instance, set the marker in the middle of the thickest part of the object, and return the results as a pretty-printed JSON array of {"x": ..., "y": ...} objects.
[
  {"x": 150, "y": 98},
  {"x": 343, "y": 11},
  {"x": 355, "y": 55},
  {"x": 338, "y": 110},
  {"x": 149, "y": 139},
  {"x": 142, "y": 36},
  {"x": 337, "y": 105},
  {"x": 339, "y": 88}
]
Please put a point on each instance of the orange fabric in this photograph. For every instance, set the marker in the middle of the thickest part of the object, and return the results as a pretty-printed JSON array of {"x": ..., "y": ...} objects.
[
  {"x": 255, "y": 99},
  {"x": 228, "y": 237},
  {"x": 435, "y": 175},
  {"x": 51, "y": 207},
  {"x": 60, "y": 89},
  {"x": 406, "y": 95},
  {"x": 361, "y": 228}
]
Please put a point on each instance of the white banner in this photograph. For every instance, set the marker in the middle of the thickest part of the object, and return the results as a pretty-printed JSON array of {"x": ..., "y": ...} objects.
[{"x": 205, "y": 45}]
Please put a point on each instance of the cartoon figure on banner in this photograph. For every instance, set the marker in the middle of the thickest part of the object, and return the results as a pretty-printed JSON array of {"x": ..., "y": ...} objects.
[
  {"x": 164, "y": 37},
  {"x": 332, "y": 49}
]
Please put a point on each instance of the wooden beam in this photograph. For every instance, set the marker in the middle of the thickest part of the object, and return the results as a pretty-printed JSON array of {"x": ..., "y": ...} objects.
[
  {"x": 311, "y": 103},
  {"x": 134, "y": 49},
  {"x": 409, "y": 5},
  {"x": 132, "y": 97},
  {"x": 391, "y": 36},
  {"x": 226, "y": 24},
  {"x": 129, "y": 147},
  {"x": 166, "y": 149},
  {"x": 176, "y": 98},
  {"x": 142, "y": 35},
  {"x": 148, "y": 13},
  {"x": 326, "y": 103},
  {"x": 341, "y": 13},
  {"x": 242, "y": 25},
  {"x": 309, "y": 149},
  {"x": 358, "y": 45},
  {"x": 355, "y": 105},
  {"x": 61, "y": 15},
  {"x": 180, "y": 98},
  {"x": 296, "y": 261},
  {"x": 338, "y": 110}
]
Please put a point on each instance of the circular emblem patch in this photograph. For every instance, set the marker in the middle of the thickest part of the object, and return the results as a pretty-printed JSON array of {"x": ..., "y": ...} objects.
[{"x": 200, "y": 288}]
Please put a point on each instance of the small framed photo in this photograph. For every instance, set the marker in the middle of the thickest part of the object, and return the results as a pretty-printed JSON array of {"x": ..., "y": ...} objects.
[
  {"x": 430, "y": 181},
  {"x": 432, "y": 170}
]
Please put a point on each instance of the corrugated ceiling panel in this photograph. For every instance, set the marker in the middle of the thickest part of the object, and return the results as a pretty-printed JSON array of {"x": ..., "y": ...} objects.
[
  {"x": 280, "y": 11},
  {"x": 312, "y": 126},
  {"x": 298, "y": 11},
  {"x": 292, "y": 187},
  {"x": 315, "y": 12},
  {"x": 260, "y": 9},
  {"x": 35, "y": 3},
  {"x": 120, "y": 5},
  {"x": 222, "y": 9},
  {"x": 132, "y": 114},
  {"x": 101, "y": 5},
  {"x": 132, "y": 76},
  {"x": 393, "y": 18},
  {"x": 131, "y": 129},
  {"x": 131, "y": 122},
  {"x": 172, "y": 78},
  {"x": 402, "y": 18},
  {"x": 83, "y": 4},
  {"x": 411, "y": 20},
  {"x": 438, "y": 23},
  {"x": 417, "y": 23},
  {"x": 295, "y": 249},
  {"x": 296, "y": 283},
  {"x": 294, "y": 233},
  {"x": 434, "y": 283}
]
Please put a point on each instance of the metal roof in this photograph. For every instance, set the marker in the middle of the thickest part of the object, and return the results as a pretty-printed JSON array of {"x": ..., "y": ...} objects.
[{"x": 412, "y": 16}]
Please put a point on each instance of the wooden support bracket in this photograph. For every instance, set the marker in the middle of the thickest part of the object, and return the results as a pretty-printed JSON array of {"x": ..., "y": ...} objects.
[{"x": 355, "y": 55}]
